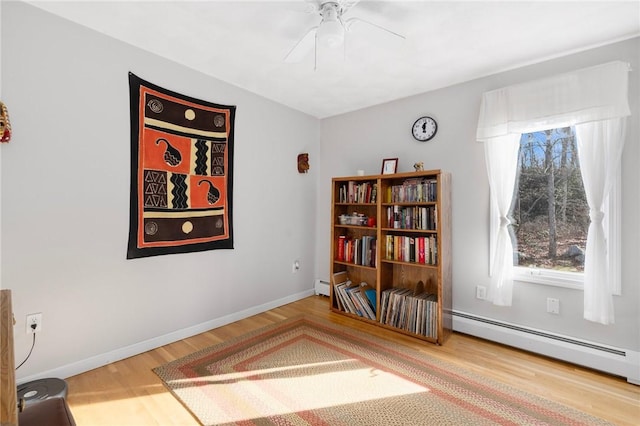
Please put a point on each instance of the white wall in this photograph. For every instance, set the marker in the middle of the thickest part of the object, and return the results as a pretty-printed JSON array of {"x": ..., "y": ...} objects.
[
  {"x": 360, "y": 140},
  {"x": 65, "y": 202}
]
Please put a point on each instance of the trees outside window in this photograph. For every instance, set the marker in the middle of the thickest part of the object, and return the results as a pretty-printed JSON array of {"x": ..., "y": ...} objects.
[{"x": 549, "y": 215}]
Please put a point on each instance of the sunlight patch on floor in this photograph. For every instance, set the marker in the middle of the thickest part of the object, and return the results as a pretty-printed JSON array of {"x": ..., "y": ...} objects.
[{"x": 275, "y": 391}]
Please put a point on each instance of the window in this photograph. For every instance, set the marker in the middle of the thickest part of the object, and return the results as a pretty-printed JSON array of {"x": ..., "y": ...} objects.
[
  {"x": 594, "y": 101},
  {"x": 549, "y": 214}
]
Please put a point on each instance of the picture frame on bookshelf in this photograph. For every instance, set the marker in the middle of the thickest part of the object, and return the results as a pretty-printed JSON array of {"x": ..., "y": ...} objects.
[{"x": 389, "y": 166}]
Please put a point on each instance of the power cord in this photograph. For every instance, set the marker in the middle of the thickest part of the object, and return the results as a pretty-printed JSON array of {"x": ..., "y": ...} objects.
[{"x": 33, "y": 327}]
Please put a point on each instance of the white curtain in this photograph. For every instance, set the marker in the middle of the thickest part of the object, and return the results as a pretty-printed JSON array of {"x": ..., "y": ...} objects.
[
  {"x": 501, "y": 155},
  {"x": 600, "y": 146},
  {"x": 590, "y": 95}
]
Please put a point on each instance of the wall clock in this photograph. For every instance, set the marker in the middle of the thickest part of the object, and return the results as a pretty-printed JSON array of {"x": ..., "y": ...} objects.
[{"x": 424, "y": 129}]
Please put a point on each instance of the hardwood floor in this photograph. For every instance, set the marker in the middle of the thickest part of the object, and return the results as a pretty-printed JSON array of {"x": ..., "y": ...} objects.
[{"x": 129, "y": 393}]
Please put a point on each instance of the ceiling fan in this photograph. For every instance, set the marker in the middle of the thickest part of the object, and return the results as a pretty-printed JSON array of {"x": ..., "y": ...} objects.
[{"x": 331, "y": 31}]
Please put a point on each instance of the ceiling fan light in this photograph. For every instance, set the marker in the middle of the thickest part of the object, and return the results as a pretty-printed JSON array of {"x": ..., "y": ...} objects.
[{"x": 331, "y": 34}]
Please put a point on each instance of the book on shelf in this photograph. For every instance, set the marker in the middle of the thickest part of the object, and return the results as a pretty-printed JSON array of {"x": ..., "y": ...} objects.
[
  {"x": 348, "y": 305},
  {"x": 370, "y": 293},
  {"x": 359, "y": 251},
  {"x": 341, "y": 243},
  {"x": 358, "y": 193},
  {"x": 337, "y": 279},
  {"x": 422, "y": 250},
  {"x": 393, "y": 309},
  {"x": 433, "y": 250},
  {"x": 352, "y": 298},
  {"x": 350, "y": 293},
  {"x": 412, "y": 217},
  {"x": 361, "y": 303},
  {"x": 414, "y": 312},
  {"x": 420, "y": 190},
  {"x": 356, "y": 251},
  {"x": 396, "y": 217}
]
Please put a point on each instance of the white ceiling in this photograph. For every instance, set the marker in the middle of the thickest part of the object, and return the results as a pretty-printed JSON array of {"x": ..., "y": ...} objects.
[{"x": 447, "y": 42}]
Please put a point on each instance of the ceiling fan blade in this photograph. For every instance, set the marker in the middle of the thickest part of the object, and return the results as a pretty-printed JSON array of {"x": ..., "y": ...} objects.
[
  {"x": 303, "y": 47},
  {"x": 350, "y": 22},
  {"x": 346, "y": 5},
  {"x": 306, "y": 7}
]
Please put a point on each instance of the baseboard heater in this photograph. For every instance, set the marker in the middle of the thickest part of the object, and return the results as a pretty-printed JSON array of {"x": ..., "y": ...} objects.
[
  {"x": 616, "y": 361},
  {"x": 322, "y": 287}
]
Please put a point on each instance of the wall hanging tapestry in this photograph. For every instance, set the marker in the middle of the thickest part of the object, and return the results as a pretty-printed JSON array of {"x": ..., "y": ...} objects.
[
  {"x": 5, "y": 124},
  {"x": 181, "y": 172}
]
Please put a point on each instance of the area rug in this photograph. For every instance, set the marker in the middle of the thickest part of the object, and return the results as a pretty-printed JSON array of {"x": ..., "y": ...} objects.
[{"x": 306, "y": 371}]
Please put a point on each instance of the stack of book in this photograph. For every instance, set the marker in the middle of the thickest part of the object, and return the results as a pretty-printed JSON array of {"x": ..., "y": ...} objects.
[
  {"x": 353, "y": 298},
  {"x": 416, "y": 313},
  {"x": 421, "y": 218},
  {"x": 423, "y": 250},
  {"x": 354, "y": 192},
  {"x": 413, "y": 191},
  {"x": 359, "y": 251}
]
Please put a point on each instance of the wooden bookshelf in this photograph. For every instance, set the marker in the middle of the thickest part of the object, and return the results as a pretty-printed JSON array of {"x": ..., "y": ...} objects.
[
  {"x": 9, "y": 400},
  {"x": 391, "y": 249}
]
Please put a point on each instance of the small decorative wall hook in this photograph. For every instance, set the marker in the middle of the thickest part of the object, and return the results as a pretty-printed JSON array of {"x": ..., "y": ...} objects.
[
  {"x": 303, "y": 163},
  {"x": 5, "y": 125}
]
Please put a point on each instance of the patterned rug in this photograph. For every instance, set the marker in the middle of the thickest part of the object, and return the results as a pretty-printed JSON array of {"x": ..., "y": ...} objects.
[{"x": 309, "y": 372}]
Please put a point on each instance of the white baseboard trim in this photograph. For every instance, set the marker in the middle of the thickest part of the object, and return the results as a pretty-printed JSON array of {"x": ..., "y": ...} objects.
[
  {"x": 612, "y": 360},
  {"x": 84, "y": 365}
]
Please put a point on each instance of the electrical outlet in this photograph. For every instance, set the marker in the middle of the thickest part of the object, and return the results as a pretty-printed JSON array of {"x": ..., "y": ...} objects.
[
  {"x": 553, "y": 305},
  {"x": 296, "y": 266},
  {"x": 481, "y": 292},
  {"x": 34, "y": 319}
]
